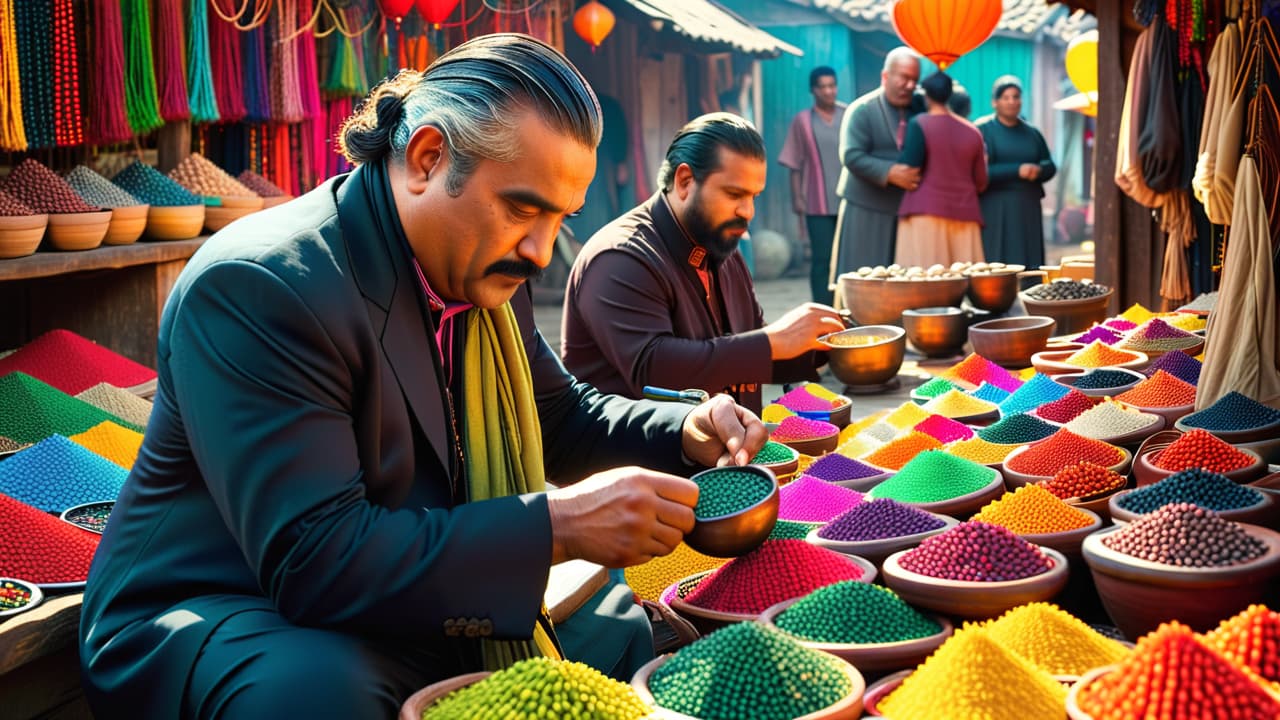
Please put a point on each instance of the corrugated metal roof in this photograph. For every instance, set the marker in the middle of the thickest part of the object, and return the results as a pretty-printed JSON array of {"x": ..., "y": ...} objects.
[
  {"x": 1021, "y": 18},
  {"x": 706, "y": 21}
]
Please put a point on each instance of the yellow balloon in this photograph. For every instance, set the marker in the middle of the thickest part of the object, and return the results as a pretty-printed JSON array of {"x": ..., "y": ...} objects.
[{"x": 1082, "y": 62}]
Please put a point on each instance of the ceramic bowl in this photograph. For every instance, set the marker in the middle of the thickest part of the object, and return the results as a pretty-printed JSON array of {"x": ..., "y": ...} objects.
[
  {"x": 1139, "y": 595},
  {"x": 1255, "y": 514},
  {"x": 1067, "y": 542},
  {"x": 1171, "y": 414},
  {"x": 1073, "y": 316},
  {"x": 963, "y": 506},
  {"x": 814, "y": 447},
  {"x": 1268, "y": 449},
  {"x": 78, "y": 231},
  {"x": 1068, "y": 380},
  {"x": 1155, "y": 423},
  {"x": 970, "y": 599},
  {"x": 20, "y": 235},
  {"x": 1270, "y": 431},
  {"x": 1097, "y": 504},
  {"x": 1014, "y": 479},
  {"x": 784, "y": 469},
  {"x": 11, "y": 589},
  {"x": 232, "y": 208},
  {"x": 418, "y": 702},
  {"x": 1053, "y": 362},
  {"x": 936, "y": 331},
  {"x": 178, "y": 222},
  {"x": 864, "y": 484},
  {"x": 127, "y": 225},
  {"x": 274, "y": 200},
  {"x": 737, "y": 533},
  {"x": 1073, "y": 695},
  {"x": 876, "y": 301},
  {"x": 881, "y": 689},
  {"x": 1011, "y": 342},
  {"x": 847, "y": 708},
  {"x": 872, "y": 356},
  {"x": 876, "y": 551},
  {"x": 1146, "y": 472},
  {"x": 877, "y": 657}
]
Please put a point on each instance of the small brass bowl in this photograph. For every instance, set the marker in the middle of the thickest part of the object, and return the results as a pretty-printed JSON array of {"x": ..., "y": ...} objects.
[
  {"x": 936, "y": 331},
  {"x": 868, "y": 355},
  {"x": 996, "y": 290},
  {"x": 736, "y": 533}
]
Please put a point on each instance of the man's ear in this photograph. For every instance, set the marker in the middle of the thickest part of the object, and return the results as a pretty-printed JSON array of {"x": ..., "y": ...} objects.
[
  {"x": 424, "y": 158},
  {"x": 683, "y": 181}
]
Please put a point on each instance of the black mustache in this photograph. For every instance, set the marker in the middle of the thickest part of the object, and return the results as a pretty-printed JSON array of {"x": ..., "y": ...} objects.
[
  {"x": 523, "y": 269},
  {"x": 732, "y": 225}
]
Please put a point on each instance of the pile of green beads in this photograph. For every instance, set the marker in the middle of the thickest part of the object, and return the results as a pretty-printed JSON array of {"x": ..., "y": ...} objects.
[
  {"x": 542, "y": 688},
  {"x": 725, "y": 491},
  {"x": 857, "y": 613},
  {"x": 791, "y": 530},
  {"x": 748, "y": 671},
  {"x": 933, "y": 476},
  {"x": 772, "y": 453}
]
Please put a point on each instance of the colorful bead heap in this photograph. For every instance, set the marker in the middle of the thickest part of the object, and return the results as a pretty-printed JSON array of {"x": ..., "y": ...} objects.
[
  {"x": 725, "y": 491},
  {"x": 882, "y": 432},
  {"x": 1100, "y": 380},
  {"x": 855, "y": 613},
  {"x": 152, "y": 187},
  {"x": 9, "y": 446},
  {"x": 1161, "y": 390},
  {"x": 981, "y": 451},
  {"x": 40, "y": 189},
  {"x": 1233, "y": 412},
  {"x": 976, "y": 552},
  {"x": 1016, "y": 430},
  {"x": 73, "y": 363},
  {"x": 13, "y": 595},
  {"x": 119, "y": 402},
  {"x": 1098, "y": 333},
  {"x": 1109, "y": 419},
  {"x": 934, "y": 388},
  {"x": 1121, "y": 324},
  {"x": 801, "y": 428},
  {"x": 91, "y": 517},
  {"x": 648, "y": 580},
  {"x": 1201, "y": 449},
  {"x": 1136, "y": 313},
  {"x": 97, "y": 190},
  {"x": 1173, "y": 675},
  {"x": 972, "y": 676},
  {"x": 40, "y": 548},
  {"x": 197, "y": 174},
  {"x": 775, "y": 413},
  {"x": 1067, "y": 408},
  {"x": 31, "y": 411},
  {"x": 807, "y": 397},
  {"x": 1061, "y": 449},
  {"x": 749, "y": 671},
  {"x": 1156, "y": 335},
  {"x": 542, "y": 687},
  {"x": 259, "y": 184},
  {"x": 857, "y": 426},
  {"x": 896, "y": 454},
  {"x": 114, "y": 442},
  {"x": 878, "y": 520},
  {"x": 773, "y": 453},
  {"x": 11, "y": 206},
  {"x": 1067, "y": 290},
  {"x": 1032, "y": 510},
  {"x": 1053, "y": 639},
  {"x": 944, "y": 429},
  {"x": 777, "y": 570},
  {"x": 835, "y": 467},
  {"x": 933, "y": 476},
  {"x": 958, "y": 404},
  {"x": 1251, "y": 639},
  {"x": 1083, "y": 480},
  {"x": 1185, "y": 535},
  {"x": 991, "y": 393},
  {"x": 1040, "y": 389},
  {"x": 1186, "y": 321},
  {"x": 858, "y": 445},
  {"x": 1209, "y": 490},
  {"x": 1097, "y": 355},
  {"x": 55, "y": 474},
  {"x": 976, "y": 370},
  {"x": 791, "y": 530},
  {"x": 1178, "y": 364},
  {"x": 808, "y": 499},
  {"x": 907, "y": 415}
]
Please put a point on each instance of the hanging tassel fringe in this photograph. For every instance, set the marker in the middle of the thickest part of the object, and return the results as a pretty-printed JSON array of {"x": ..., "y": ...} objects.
[
  {"x": 202, "y": 98},
  {"x": 13, "y": 134},
  {"x": 35, "y": 63},
  {"x": 169, "y": 61},
  {"x": 69, "y": 122},
  {"x": 286, "y": 93},
  {"x": 108, "y": 122},
  {"x": 257, "y": 86},
  {"x": 226, "y": 65},
  {"x": 141, "y": 99}
]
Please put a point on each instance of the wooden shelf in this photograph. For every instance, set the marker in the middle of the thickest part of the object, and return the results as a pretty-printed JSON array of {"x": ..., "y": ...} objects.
[{"x": 107, "y": 257}]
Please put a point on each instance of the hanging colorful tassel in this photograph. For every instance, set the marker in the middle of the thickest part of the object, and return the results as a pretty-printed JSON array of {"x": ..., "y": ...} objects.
[
  {"x": 108, "y": 122},
  {"x": 225, "y": 64},
  {"x": 257, "y": 100},
  {"x": 141, "y": 100},
  {"x": 169, "y": 60},
  {"x": 68, "y": 126},
  {"x": 286, "y": 93},
  {"x": 13, "y": 135},
  {"x": 201, "y": 97},
  {"x": 35, "y": 62}
]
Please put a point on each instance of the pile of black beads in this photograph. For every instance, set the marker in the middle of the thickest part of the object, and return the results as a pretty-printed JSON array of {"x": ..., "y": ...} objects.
[
  {"x": 1233, "y": 411},
  {"x": 857, "y": 613},
  {"x": 1017, "y": 429},
  {"x": 1067, "y": 290},
  {"x": 879, "y": 519},
  {"x": 1185, "y": 535},
  {"x": 749, "y": 671},
  {"x": 1100, "y": 379},
  {"x": 1209, "y": 490},
  {"x": 976, "y": 552}
]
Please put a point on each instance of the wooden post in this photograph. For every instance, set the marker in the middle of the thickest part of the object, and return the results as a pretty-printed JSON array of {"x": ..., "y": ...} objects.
[{"x": 173, "y": 145}]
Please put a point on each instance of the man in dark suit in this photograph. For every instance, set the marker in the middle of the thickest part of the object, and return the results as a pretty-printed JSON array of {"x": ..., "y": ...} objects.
[{"x": 340, "y": 495}]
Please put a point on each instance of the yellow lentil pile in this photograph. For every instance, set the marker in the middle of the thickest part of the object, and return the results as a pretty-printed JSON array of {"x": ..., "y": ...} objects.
[
  {"x": 650, "y": 579},
  {"x": 1098, "y": 354},
  {"x": 1032, "y": 510},
  {"x": 818, "y": 391},
  {"x": 114, "y": 442},
  {"x": 1053, "y": 639},
  {"x": 981, "y": 451},
  {"x": 907, "y": 415},
  {"x": 197, "y": 174},
  {"x": 542, "y": 688},
  {"x": 957, "y": 404},
  {"x": 972, "y": 677},
  {"x": 1185, "y": 321},
  {"x": 1137, "y": 314},
  {"x": 775, "y": 413}
]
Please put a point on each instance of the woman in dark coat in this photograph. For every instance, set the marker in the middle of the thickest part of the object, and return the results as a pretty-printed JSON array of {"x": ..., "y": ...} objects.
[{"x": 1018, "y": 164}]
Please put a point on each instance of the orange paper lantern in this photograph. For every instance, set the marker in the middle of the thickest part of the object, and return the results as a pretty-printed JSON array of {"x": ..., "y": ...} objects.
[
  {"x": 943, "y": 30},
  {"x": 593, "y": 22}
]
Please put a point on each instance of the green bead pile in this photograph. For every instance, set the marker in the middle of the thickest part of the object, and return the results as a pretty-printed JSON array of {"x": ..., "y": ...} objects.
[
  {"x": 152, "y": 187},
  {"x": 748, "y": 671},
  {"x": 542, "y": 688},
  {"x": 773, "y": 452},
  {"x": 933, "y": 476},
  {"x": 791, "y": 530},
  {"x": 726, "y": 491},
  {"x": 854, "y": 612}
]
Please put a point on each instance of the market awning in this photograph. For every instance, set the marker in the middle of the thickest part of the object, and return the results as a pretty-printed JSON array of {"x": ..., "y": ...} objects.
[
  {"x": 1021, "y": 18},
  {"x": 706, "y": 23}
]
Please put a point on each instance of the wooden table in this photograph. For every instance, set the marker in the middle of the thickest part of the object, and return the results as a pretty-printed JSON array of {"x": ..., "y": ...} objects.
[{"x": 39, "y": 662}]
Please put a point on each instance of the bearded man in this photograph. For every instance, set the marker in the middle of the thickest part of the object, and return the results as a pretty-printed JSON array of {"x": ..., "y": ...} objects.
[{"x": 661, "y": 296}]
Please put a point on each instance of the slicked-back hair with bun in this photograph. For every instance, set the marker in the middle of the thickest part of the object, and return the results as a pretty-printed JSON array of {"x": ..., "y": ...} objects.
[
  {"x": 698, "y": 144},
  {"x": 476, "y": 95}
]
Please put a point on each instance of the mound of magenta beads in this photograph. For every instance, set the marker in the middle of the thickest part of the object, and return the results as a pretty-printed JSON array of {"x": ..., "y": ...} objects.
[
  {"x": 1185, "y": 535},
  {"x": 542, "y": 687},
  {"x": 808, "y": 499},
  {"x": 1121, "y": 324},
  {"x": 976, "y": 552},
  {"x": 1252, "y": 639},
  {"x": 944, "y": 429},
  {"x": 749, "y": 671},
  {"x": 802, "y": 428},
  {"x": 834, "y": 467},
  {"x": 1083, "y": 480},
  {"x": 1066, "y": 408},
  {"x": 1233, "y": 412},
  {"x": 1100, "y": 379},
  {"x": 725, "y": 491},
  {"x": 1061, "y": 449},
  {"x": 1201, "y": 449},
  {"x": 1178, "y": 364},
  {"x": 855, "y": 613},
  {"x": 1016, "y": 430},
  {"x": 777, "y": 570},
  {"x": 773, "y": 453},
  {"x": 1209, "y": 490},
  {"x": 1033, "y": 393},
  {"x": 1032, "y": 510},
  {"x": 1099, "y": 333},
  {"x": 879, "y": 519},
  {"x": 933, "y": 476}
]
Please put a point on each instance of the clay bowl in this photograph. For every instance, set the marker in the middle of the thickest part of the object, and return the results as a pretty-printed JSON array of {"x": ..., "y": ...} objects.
[
  {"x": 1270, "y": 431},
  {"x": 177, "y": 222},
  {"x": 1067, "y": 542},
  {"x": 784, "y": 469},
  {"x": 1053, "y": 362},
  {"x": 1171, "y": 414},
  {"x": 1073, "y": 316},
  {"x": 936, "y": 331},
  {"x": 418, "y": 702},
  {"x": 877, "y": 550},
  {"x": 33, "y": 591},
  {"x": 1268, "y": 449},
  {"x": 1014, "y": 479},
  {"x": 1099, "y": 504},
  {"x": 876, "y": 301},
  {"x": 975, "y": 600},
  {"x": 127, "y": 225},
  {"x": 20, "y": 235},
  {"x": 232, "y": 208},
  {"x": 736, "y": 533},
  {"x": 838, "y": 416},
  {"x": 274, "y": 200},
  {"x": 848, "y": 708},
  {"x": 1258, "y": 513},
  {"x": 814, "y": 447},
  {"x": 1068, "y": 380},
  {"x": 78, "y": 231},
  {"x": 965, "y": 505},
  {"x": 1155, "y": 423},
  {"x": 881, "y": 689},
  {"x": 868, "y": 355},
  {"x": 1011, "y": 342},
  {"x": 873, "y": 656},
  {"x": 994, "y": 291},
  {"x": 1139, "y": 595},
  {"x": 1146, "y": 472}
]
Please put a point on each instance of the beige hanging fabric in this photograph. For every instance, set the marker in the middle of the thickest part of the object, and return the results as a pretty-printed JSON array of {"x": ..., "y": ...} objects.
[
  {"x": 1243, "y": 345},
  {"x": 1128, "y": 167},
  {"x": 1222, "y": 192},
  {"x": 1180, "y": 228},
  {"x": 1223, "y": 63}
]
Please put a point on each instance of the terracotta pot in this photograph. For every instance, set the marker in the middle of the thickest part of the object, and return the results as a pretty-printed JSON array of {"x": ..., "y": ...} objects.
[
  {"x": 1146, "y": 472},
  {"x": 1256, "y": 514},
  {"x": 418, "y": 702},
  {"x": 970, "y": 599},
  {"x": 876, "y": 301},
  {"x": 78, "y": 231},
  {"x": 127, "y": 225},
  {"x": 20, "y": 234},
  {"x": 1073, "y": 316},
  {"x": 1067, "y": 379},
  {"x": 874, "y": 362},
  {"x": 1011, "y": 342},
  {"x": 180, "y": 222},
  {"x": 1014, "y": 479},
  {"x": 874, "y": 656},
  {"x": 232, "y": 208},
  {"x": 994, "y": 291},
  {"x": 274, "y": 200}
]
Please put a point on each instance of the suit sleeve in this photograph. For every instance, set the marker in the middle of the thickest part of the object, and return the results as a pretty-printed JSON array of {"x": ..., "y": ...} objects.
[
  {"x": 266, "y": 392},
  {"x": 856, "y": 144}
]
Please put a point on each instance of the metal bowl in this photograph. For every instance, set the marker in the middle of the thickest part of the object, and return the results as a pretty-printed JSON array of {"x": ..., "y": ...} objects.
[
  {"x": 995, "y": 291},
  {"x": 736, "y": 533},
  {"x": 868, "y": 355},
  {"x": 1011, "y": 342},
  {"x": 1073, "y": 316},
  {"x": 936, "y": 331},
  {"x": 875, "y": 301}
]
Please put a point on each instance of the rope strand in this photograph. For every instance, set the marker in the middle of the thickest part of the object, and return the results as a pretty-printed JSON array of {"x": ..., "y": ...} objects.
[
  {"x": 169, "y": 62},
  {"x": 108, "y": 122},
  {"x": 286, "y": 94},
  {"x": 203, "y": 99},
  {"x": 35, "y": 63},
  {"x": 226, "y": 65},
  {"x": 141, "y": 101}
]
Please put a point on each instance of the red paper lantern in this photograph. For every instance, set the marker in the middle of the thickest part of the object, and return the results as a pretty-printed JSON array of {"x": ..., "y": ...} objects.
[
  {"x": 593, "y": 22},
  {"x": 395, "y": 9},
  {"x": 943, "y": 30},
  {"x": 436, "y": 11}
]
